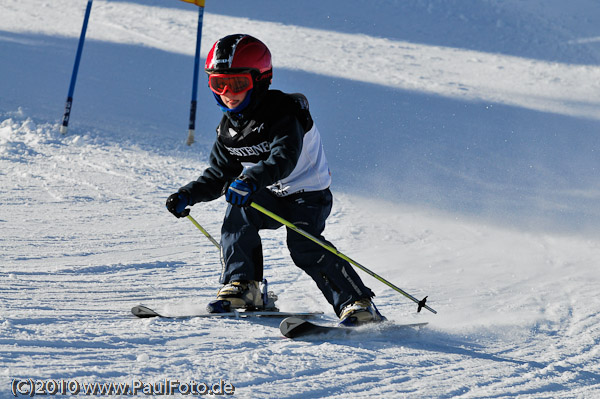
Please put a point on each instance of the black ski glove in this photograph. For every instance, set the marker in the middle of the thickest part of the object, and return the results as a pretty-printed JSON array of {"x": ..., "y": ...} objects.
[{"x": 177, "y": 203}]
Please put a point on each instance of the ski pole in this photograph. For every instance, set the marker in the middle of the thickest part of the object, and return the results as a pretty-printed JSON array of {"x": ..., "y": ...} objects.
[
  {"x": 203, "y": 231},
  {"x": 421, "y": 304}
]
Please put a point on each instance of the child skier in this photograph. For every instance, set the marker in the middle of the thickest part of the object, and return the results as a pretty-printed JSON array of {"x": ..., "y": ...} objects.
[{"x": 268, "y": 151}]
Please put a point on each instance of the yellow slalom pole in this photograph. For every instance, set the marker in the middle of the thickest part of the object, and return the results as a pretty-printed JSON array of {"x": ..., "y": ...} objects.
[{"x": 421, "y": 304}]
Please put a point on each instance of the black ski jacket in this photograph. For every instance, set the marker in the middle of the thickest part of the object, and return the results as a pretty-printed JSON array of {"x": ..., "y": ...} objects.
[{"x": 266, "y": 148}]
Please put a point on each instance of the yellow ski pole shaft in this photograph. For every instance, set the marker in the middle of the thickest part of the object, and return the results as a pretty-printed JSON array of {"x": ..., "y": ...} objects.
[
  {"x": 204, "y": 231},
  {"x": 421, "y": 304}
]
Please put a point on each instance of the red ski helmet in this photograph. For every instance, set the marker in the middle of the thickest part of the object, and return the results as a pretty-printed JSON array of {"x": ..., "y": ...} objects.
[{"x": 240, "y": 53}]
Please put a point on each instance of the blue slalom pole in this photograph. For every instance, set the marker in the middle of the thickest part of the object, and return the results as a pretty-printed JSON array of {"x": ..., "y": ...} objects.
[
  {"x": 67, "y": 114},
  {"x": 192, "y": 124}
]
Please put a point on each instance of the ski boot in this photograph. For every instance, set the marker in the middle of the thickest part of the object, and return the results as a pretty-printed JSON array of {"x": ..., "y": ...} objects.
[
  {"x": 360, "y": 312},
  {"x": 243, "y": 295}
]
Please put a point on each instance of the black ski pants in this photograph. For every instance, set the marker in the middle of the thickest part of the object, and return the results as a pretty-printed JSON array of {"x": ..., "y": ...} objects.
[{"x": 242, "y": 248}]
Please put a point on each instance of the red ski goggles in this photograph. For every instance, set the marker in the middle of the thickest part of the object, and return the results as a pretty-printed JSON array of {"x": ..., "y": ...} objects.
[{"x": 236, "y": 83}]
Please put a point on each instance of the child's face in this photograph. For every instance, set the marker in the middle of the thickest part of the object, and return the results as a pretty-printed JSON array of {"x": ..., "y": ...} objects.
[{"x": 233, "y": 100}]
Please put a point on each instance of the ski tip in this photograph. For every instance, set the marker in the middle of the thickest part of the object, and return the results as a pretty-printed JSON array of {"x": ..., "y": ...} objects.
[
  {"x": 144, "y": 312},
  {"x": 291, "y": 326}
]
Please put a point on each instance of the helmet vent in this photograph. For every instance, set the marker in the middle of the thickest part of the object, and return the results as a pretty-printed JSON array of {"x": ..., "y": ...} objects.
[{"x": 225, "y": 50}]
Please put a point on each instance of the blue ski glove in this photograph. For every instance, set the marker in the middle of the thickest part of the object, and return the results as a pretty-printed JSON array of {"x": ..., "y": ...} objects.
[
  {"x": 176, "y": 204},
  {"x": 240, "y": 191}
]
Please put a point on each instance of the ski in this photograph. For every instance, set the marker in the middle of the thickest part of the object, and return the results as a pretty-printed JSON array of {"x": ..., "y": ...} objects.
[
  {"x": 145, "y": 312},
  {"x": 294, "y": 327}
]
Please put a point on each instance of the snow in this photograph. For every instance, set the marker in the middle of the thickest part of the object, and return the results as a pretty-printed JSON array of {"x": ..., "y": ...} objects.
[{"x": 463, "y": 141}]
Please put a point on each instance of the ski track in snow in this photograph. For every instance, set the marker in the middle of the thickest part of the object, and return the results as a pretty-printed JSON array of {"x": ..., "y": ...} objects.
[
  {"x": 528, "y": 326},
  {"x": 85, "y": 236}
]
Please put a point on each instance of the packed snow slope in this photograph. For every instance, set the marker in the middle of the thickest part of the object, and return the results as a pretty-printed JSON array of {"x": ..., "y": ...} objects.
[{"x": 463, "y": 137}]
